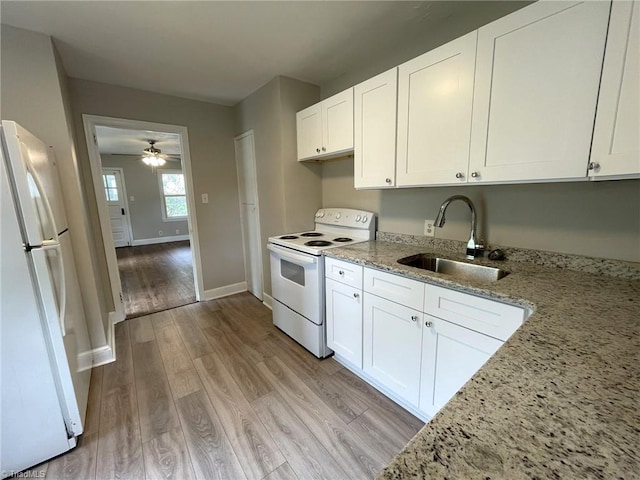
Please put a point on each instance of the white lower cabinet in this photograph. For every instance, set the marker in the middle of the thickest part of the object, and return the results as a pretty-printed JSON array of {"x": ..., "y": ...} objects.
[
  {"x": 392, "y": 346},
  {"x": 344, "y": 321},
  {"x": 451, "y": 355}
]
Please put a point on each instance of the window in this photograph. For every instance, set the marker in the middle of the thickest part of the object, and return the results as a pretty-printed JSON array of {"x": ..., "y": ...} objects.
[
  {"x": 110, "y": 187},
  {"x": 173, "y": 193}
]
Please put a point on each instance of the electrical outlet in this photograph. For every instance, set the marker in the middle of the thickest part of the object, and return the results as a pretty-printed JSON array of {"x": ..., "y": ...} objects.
[
  {"x": 429, "y": 229},
  {"x": 160, "y": 232}
]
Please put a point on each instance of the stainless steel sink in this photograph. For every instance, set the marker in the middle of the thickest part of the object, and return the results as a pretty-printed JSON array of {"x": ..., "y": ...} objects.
[{"x": 462, "y": 270}]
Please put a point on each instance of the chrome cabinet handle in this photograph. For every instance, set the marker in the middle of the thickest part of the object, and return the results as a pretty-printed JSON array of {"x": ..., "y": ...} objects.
[
  {"x": 594, "y": 165},
  {"x": 428, "y": 324},
  {"x": 414, "y": 318},
  {"x": 341, "y": 273},
  {"x": 459, "y": 175},
  {"x": 475, "y": 174},
  {"x": 324, "y": 149},
  {"x": 388, "y": 180},
  {"x": 356, "y": 295},
  {"x": 317, "y": 150}
]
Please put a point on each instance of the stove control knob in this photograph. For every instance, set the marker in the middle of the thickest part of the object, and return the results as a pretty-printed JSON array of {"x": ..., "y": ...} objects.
[
  {"x": 322, "y": 214},
  {"x": 364, "y": 219},
  {"x": 338, "y": 215},
  {"x": 358, "y": 217}
]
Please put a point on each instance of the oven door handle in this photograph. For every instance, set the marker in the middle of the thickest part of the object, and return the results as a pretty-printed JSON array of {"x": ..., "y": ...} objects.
[{"x": 287, "y": 254}]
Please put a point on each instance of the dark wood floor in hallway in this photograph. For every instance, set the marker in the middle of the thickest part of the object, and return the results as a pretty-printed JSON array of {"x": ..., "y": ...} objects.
[
  {"x": 156, "y": 277},
  {"x": 214, "y": 390}
]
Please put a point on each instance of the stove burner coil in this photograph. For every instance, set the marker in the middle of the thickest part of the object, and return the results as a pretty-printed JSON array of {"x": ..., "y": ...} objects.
[
  {"x": 342, "y": 239},
  {"x": 317, "y": 243},
  {"x": 288, "y": 237},
  {"x": 311, "y": 234}
]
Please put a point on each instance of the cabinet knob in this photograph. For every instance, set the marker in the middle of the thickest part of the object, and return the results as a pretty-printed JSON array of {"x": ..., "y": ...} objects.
[
  {"x": 414, "y": 318},
  {"x": 459, "y": 175},
  {"x": 356, "y": 295},
  {"x": 341, "y": 273},
  {"x": 388, "y": 180},
  {"x": 594, "y": 165},
  {"x": 317, "y": 150},
  {"x": 324, "y": 149},
  {"x": 428, "y": 324},
  {"x": 475, "y": 174}
]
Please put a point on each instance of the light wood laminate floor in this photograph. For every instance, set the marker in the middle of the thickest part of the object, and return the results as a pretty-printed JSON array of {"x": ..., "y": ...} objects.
[
  {"x": 156, "y": 277},
  {"x": 214, "y": 390}
]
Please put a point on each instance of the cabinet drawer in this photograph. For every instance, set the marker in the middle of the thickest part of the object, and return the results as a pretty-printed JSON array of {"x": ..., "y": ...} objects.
[
  {"x": 395, "y": 288},
  {"x": 489, "y": 317},
  {"x": 343, "y": 272}
]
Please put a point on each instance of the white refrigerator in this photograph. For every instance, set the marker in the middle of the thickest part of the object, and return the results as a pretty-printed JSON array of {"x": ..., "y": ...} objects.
[{"x": 44, "y": 345}]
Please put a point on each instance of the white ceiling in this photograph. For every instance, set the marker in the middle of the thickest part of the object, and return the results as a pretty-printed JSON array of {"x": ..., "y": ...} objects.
[
  {"x": 220, "y": 51},
  {"x": 120, "y": 141}
]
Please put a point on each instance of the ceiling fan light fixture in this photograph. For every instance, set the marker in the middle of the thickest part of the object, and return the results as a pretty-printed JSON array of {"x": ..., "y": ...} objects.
[{"x": 151, "y": 156}]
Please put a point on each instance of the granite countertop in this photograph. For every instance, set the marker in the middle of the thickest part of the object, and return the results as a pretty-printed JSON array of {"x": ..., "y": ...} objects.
[{"x": 560, "y": 399}]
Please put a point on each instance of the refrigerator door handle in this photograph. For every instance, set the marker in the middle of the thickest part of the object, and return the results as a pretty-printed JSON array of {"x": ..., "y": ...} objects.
[
  {"x": 62, "y": 291},
  {"x": 45, "y": 201}
]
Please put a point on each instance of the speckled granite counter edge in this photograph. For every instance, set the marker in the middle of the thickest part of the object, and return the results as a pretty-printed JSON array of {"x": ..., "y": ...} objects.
[{"x": 600, "y": 266}]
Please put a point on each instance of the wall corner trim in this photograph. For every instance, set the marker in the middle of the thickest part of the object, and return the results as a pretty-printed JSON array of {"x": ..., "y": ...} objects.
[
  {"x": 267, "y": 301},
  {"x": 106, "y": 353},
  {"x": 227, "y": 290}
]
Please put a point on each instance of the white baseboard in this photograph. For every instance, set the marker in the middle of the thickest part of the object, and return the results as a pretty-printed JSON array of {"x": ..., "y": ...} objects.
[
  {"x": 225, "y": 291},
  {"x": 106, "y": 353},
  {"x": 152, "y": 241},
  {"x": 267, "y": 301}
]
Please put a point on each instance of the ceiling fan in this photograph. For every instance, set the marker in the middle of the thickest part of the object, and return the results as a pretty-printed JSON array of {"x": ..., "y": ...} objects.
[{"x": 152, "y": 156}]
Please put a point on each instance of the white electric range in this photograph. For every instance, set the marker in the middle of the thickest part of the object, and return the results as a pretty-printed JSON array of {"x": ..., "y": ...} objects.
[{"x": 297, "y": 273}]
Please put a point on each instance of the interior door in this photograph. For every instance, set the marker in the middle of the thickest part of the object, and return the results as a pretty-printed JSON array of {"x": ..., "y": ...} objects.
[
  {"x": 249, "y": 212},
  {"x": 116, "y": 203}
]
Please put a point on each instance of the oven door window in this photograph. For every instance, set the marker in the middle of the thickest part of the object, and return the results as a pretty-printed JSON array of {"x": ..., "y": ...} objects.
[{"x": 292, "y": 272}]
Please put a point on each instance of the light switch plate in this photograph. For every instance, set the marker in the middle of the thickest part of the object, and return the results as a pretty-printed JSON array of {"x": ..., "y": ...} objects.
[{"x": 205, "y": 198}]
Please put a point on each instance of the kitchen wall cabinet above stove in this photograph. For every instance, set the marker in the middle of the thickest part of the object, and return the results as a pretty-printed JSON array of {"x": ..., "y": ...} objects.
[
  {"x": 536, "y": 87},
  {"x": 616, "y": 147},
  {"x": 325, "y": 130}
]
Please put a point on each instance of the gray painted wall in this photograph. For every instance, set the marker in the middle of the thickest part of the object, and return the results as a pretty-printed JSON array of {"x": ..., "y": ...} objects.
[
  {"x": 33, "y": 93},
  {"x": 289, "y": 192},
  {"x": 596, "y": 219},
  {"x": 210, "y": 130},
  {"x": 145, "y": 211}
]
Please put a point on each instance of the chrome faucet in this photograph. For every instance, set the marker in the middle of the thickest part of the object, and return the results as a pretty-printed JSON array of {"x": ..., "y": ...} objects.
[{"x": 473, "y": 247}]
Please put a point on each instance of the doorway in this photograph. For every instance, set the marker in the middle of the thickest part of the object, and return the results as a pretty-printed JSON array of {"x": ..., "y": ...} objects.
[
  {"x": 249, "y": 212},
  {"x": 160, "y": 266}
]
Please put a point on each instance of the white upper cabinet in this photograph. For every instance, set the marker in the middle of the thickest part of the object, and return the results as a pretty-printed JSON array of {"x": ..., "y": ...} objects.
[
  {"x": 616, "y": 138},
  {"x": 536, "y": 86},
  {"x": 435, "y": 98},
  {"x": 375, "y": 131},
  {"x": 325, "y": 130}
]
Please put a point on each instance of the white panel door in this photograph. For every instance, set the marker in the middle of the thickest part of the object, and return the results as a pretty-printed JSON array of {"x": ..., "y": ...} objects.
[
  {"x": 309, "y": 130},
  {"x": 337, "y": 123},
  {"x": 435, "y": 98},
  {"x": 536, "y": 86},
  {"x": 451, "y": 355},
  {"x": 249, "y": 212},
  {"x": 375, "y": 131},
  {"x": 344, "y": 321},
  {"x": 392, "y": 343},
  {"x": 116, "y": 204},
  {"x": 616, "y": 138}
]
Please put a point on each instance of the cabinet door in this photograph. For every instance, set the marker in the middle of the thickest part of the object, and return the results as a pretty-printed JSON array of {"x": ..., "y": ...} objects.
[
  {"x": 344, "y": 321},
  {"x": 309, "y": 125},
  {"x": 392, "y": 345},
  {"x": 536, "y": 86},
  {"x": 337, "y": 123},
  {"x": 616, "y": 138},
  {"x": 435, "y": 97},
  {"x": 451, "y": 355},
  {"x": 375, "y": 131}
]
